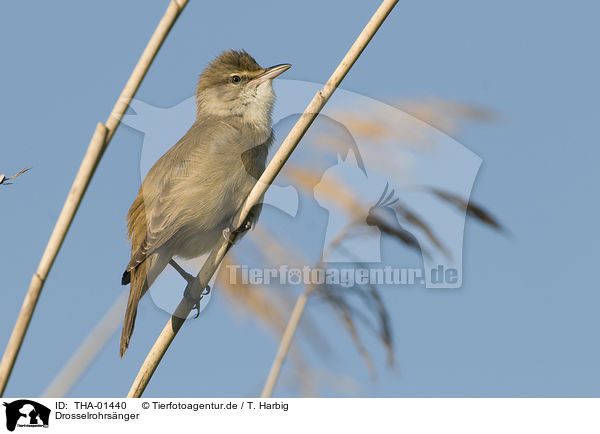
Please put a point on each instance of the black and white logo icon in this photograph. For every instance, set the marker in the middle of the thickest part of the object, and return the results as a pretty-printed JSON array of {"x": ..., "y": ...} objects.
[{"x": 25, "y": 413}]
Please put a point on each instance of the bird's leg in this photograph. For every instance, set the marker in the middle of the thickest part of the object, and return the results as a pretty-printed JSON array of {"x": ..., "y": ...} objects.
[
  {"x": 187, "y": 276},
  {"x": 188, "y": 289}
]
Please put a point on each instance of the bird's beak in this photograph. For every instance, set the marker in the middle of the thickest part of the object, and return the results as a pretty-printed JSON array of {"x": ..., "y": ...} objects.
[{"x": 271, "y": 72}]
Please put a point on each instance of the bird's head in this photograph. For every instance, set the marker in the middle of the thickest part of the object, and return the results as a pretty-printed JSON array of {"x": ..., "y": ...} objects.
[{"x": 234, "y": 84}]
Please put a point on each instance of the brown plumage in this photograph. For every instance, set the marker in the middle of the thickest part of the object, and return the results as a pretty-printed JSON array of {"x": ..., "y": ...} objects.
[{"x": 194, "y": 190}]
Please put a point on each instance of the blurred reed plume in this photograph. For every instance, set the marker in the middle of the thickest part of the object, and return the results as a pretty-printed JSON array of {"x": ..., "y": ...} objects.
[
  {"x": 470, "y": 208},
  {"x": 363, "y": 304}
]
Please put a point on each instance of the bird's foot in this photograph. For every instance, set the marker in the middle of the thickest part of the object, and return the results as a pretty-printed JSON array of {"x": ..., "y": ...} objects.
[
  {"x": 246, "y": 226},
  {"x": 191, "y": 280},
  {"x": 187, "y": 294},
  {"x": 230, "y": 234}
]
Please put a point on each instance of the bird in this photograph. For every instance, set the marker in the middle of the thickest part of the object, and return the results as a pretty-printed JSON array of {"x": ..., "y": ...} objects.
[{"x": 190, "y": 196}]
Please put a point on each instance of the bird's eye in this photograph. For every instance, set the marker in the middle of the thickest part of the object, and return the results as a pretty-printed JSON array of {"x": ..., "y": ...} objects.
[{"x": 235, "y": 79}]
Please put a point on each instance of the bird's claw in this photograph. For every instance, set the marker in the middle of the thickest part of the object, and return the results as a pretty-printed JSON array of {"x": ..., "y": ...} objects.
[
  {"x": 206, "y": 291},
  {"x": 227, "y": 235},
  {"x": 246, "y": 226}
]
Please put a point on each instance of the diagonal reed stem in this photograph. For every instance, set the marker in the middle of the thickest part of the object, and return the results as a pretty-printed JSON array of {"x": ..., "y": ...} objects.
[
  {"x": 98, "y": 144},
  {"x": 211, "y": 264}
]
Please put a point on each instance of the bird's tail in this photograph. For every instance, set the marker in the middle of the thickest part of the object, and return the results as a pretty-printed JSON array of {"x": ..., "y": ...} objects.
[
  {"x": 141, "y": 278},
  {"x": 139, "y": 286}
]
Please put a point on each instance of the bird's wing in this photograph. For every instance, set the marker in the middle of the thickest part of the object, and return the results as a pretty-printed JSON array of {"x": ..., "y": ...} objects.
[
  {"x": 154, "y": 218},
  {"x": 151, "y": 221}
]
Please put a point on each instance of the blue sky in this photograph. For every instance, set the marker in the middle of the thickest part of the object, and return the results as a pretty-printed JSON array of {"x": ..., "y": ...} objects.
[{"x": 523, "y": 324}]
